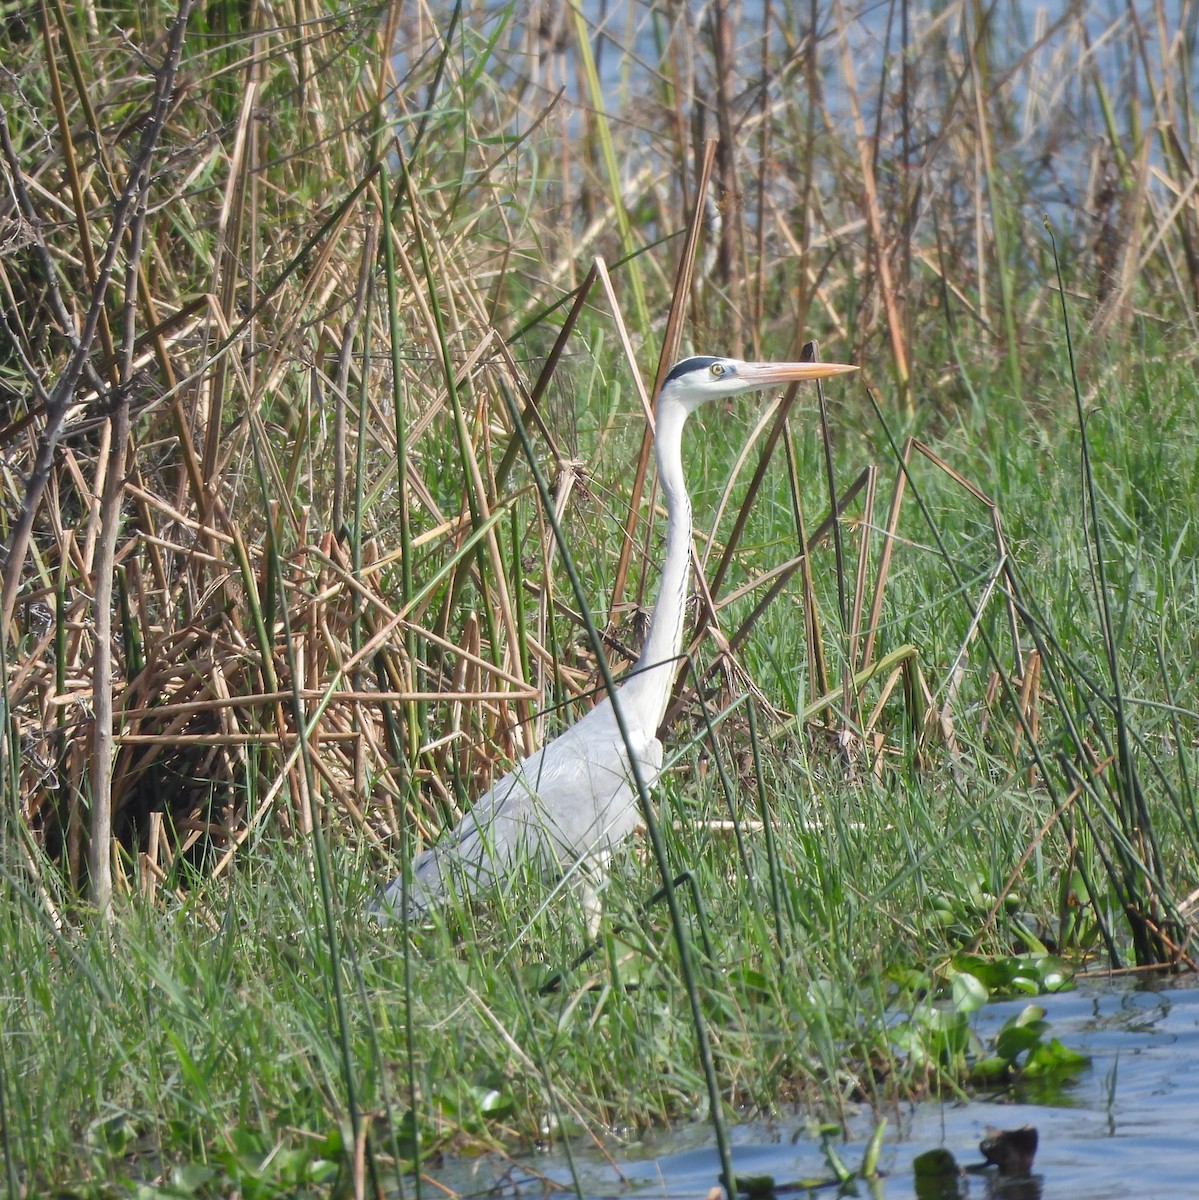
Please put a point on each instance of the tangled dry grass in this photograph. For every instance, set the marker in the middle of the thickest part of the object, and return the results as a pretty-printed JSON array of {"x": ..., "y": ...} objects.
[{"x": 269, "y": 273}]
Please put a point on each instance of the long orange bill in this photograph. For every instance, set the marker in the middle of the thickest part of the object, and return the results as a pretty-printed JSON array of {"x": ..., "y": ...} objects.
[{"x": 766, "y": 373}]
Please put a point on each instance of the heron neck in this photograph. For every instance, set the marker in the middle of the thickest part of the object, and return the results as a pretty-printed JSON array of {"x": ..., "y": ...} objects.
[{"x": 652, "y": 678}]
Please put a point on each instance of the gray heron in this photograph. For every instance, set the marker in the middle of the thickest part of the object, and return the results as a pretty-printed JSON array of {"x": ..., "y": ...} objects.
[{"x": 570, "y": 802}]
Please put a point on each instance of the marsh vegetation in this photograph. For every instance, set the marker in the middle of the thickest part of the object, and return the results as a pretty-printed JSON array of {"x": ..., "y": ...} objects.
[{"x": 282, "y": 594}]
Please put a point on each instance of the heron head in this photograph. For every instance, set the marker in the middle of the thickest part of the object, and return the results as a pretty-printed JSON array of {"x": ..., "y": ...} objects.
[{"x": 694, "y": 381}]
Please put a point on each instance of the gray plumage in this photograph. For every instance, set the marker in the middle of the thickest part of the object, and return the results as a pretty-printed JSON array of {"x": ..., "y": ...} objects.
[{"x": 569, "y": 803}]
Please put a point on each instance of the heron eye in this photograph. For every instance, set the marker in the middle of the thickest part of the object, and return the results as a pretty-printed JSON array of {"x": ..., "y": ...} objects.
[{"x": 717, "y": 370}]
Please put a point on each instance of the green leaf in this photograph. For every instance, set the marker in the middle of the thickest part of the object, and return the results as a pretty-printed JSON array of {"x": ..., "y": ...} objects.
[
  {"x": 869, "y": 1168},
  {"x": 190, "y": 1177},
  {"x": 934, "y": 1163},
  {"x": 988, "y": 1070},
  {"x": 756, "y": 1187},
  {"x": 755, "y": 981},
  {"x": 1014, "y": 1040},
  {"x": 1051, "y": 1057},
  {"x": 1030, "y": 1014},
  {"x": 969, "y": 994}
]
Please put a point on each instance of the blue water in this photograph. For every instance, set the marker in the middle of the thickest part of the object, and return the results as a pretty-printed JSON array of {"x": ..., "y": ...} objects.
[
  {"x": 1128, "y": 1125},
  {"x": 1044, "y": 59}
]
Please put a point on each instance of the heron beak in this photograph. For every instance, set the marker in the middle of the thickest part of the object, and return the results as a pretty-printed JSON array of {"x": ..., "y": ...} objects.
[{"x": 765, "y": 374}]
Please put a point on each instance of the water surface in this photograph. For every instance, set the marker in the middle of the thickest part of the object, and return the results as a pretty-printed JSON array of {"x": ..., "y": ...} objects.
[{"x": 1125, "y": 1126}]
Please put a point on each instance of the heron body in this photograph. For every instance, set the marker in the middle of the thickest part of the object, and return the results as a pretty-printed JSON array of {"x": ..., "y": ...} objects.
[{"x": 570, "y": 802}]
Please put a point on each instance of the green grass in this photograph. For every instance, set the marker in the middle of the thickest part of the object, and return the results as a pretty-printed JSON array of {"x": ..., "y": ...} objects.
[
  {"x": 206, "y": 1034},
  {"x": 240, "y": 1025}
]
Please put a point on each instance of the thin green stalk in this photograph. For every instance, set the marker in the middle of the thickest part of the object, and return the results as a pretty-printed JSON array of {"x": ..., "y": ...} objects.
[
  {"x": 595, "y": 97},
  {"x": 547, "y": 1078},
  {"x": 257, "y": 616},
  {"x": 390, "y": 730},
  {"x": 518, "y": 592},
  {"x": 531, "y": 413},
  {"x": 988, "y": 645},
  {"x": 324, "y": 871},
  {"x": 399, "y": 405},
  {"x": 831, "y": 479},
  {"x": 726, "y": 785},
  {"x": 10, "y": 1165},
  {"x": 773, "y": 865},
  {"x": 1109, "y": 123},
  {"x": 463, "y": 440},
  {"x": 686, "y": 967},
  {"x": 999, "y": 211},
  {"x": 412, "y": 713},
  {"x": 69, "y": 804},
  {"x": 356, "y": 524},
  {"x": 1136, "y": 815},
  {"x": 1189, "y": 815}
]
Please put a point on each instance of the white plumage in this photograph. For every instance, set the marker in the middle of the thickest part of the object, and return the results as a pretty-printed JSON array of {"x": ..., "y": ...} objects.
[{"x": 570, "y": 802}]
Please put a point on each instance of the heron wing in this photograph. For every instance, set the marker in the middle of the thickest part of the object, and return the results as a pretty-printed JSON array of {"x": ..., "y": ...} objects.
[{"x": 568, "y": 801}]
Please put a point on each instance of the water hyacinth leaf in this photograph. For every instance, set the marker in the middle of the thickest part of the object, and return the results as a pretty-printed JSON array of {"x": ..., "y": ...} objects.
[
  {"x": 756, "y": 1187},
  {"x": 910, "y": 979},
  {"x": 937, "y": 1035},
  {"x": 492, "y": 1102},
  {"x": 991, "y": 972},
  {"x": 1051, "y": 1057},
  {"x": 1014, "y": 1040},
  {"x": 909, "y": 1042},
  {"x": 934, "y": 1164},
  {"x": 1028, "y": 974},
  {"x": 1025, "y": 985},
  {"x": 938, "y": 1019},
  {"x": 969, "y": 993},
  {"x": 1034, "y": 945},
  {"x": 1054, "y": 975},
  {"x": 989, "y": 1070},
  {"x": 1029, "y": 1014}
]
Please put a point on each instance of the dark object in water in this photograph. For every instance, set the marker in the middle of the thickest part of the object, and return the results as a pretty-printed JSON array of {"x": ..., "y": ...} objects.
[
  {"x": 1011, "y": 1150},
  {"x": 938, "y": 1176}
]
